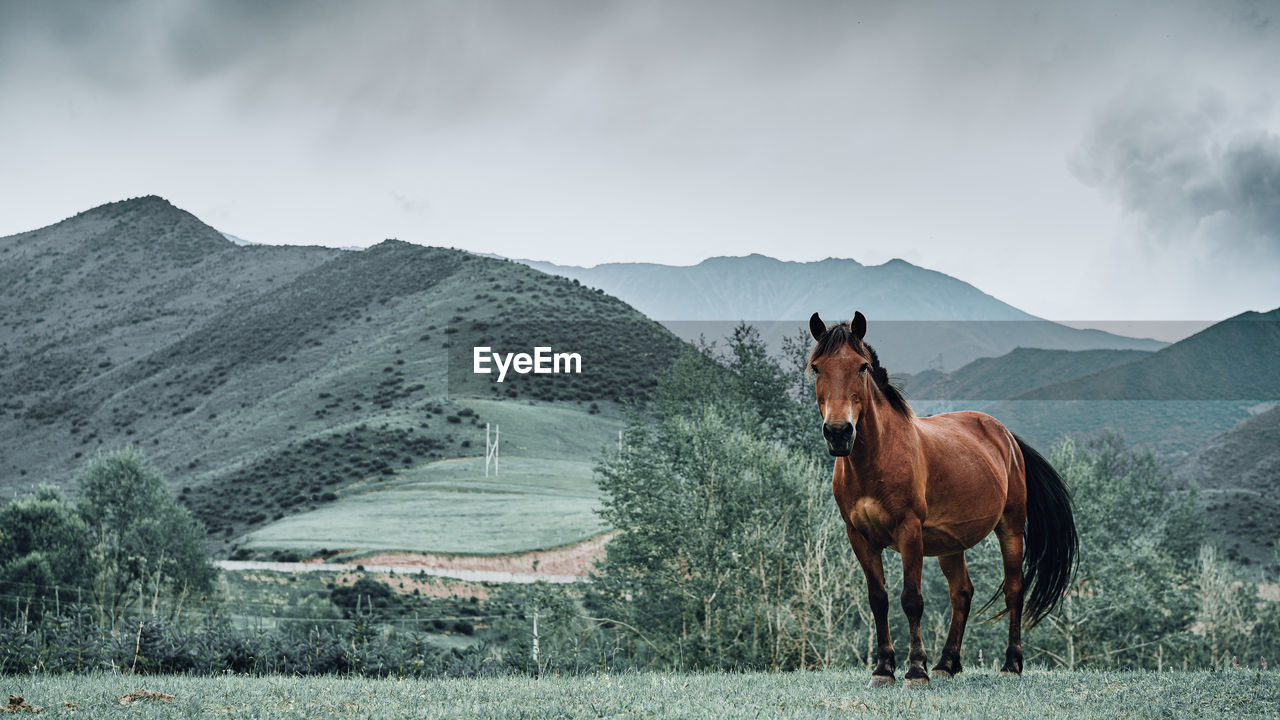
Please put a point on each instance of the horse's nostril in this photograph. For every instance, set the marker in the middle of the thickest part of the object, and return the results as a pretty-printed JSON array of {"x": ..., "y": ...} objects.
[{"x": 837, "y": 433}]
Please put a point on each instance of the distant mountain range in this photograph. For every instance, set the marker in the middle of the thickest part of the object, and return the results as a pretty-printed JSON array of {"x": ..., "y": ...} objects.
[
  {"x": 1231, "y": 360},
  {"x": 921, "y": 319},
  {"x": 1018, "y": 372},
  {"x": 259, "y": 378},
  {"x": 1171, "y": 400}
]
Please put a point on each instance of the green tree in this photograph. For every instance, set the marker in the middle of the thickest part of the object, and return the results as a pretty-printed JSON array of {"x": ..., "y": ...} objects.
[
  {"x": 45, "y": 552},
  {"x": 1131, "y": 604},
  {"x": 729, "y": 550},
  {"x": 147, "y": 547}
]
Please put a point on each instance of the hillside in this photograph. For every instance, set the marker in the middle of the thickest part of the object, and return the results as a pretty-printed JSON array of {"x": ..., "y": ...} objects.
[
  {"x": 265, "y": 381},
  {"x": 1230, "y": 360},
  {"x": 1014, "y": 373},
  {"x": 1239, "y": 477},
  {"x": 1170, "y": 400},
  {"x": 922, "y": 318}
]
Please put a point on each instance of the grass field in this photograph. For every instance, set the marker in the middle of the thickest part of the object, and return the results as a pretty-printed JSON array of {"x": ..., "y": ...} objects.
[
  {"x": 543, "y": 497},
  {"x": 451, "y": 507},
  {"x": 1237, "y": 694}
]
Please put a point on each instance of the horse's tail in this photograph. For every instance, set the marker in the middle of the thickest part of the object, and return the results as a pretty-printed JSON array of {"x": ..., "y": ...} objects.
[{"x": 1051, "y": 545}]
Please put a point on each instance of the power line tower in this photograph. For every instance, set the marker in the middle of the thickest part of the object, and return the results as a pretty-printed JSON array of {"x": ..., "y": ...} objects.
[{"x": 491, "y": 449}]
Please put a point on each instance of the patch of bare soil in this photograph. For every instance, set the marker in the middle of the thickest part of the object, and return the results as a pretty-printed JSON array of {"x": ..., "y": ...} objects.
[{"x": 574, "y": 560}]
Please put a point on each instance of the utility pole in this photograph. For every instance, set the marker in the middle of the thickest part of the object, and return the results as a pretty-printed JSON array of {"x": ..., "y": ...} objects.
[
  {"x": 536, "y": 668},
  {"x": 491, "y": 449}
]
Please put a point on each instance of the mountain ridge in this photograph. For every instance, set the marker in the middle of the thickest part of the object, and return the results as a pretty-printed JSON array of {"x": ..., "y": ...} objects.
[
  {"x": 1228, "y": 360},
  {"x": 921, "y": 318}
]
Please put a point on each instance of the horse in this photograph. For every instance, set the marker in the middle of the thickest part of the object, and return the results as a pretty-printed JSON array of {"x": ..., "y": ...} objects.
[{"x": 936, "y": 486}]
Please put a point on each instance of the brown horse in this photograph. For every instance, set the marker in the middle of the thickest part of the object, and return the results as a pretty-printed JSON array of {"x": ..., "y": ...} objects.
[{"x": 936, "y": 486}]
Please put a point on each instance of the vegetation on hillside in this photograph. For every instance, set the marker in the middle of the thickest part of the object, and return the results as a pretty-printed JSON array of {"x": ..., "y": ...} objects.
[{"x": 276, "y": 374}]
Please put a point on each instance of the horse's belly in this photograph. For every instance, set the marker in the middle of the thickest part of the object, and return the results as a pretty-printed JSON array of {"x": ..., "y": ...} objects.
[{"x": 948, "y": 537}]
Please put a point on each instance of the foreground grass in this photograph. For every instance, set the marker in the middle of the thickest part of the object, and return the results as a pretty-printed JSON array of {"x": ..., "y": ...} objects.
[{"x": 1236, "y": 693}]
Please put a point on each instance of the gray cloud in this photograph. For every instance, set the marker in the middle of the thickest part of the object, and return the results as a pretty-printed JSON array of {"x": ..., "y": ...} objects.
[
  {"x": 1190, "y": 168},
  {"x": 585, "y": 131}
]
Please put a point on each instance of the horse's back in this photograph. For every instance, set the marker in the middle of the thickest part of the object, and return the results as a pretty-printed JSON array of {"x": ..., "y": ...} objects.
[{"x": 974, "y": 471}]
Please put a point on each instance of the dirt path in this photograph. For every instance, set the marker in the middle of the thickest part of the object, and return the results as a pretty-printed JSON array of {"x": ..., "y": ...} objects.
[
  {"x": 566, "y": 564},
  {"x": 470, "y": 575},
  {"x": 569, "y": 560}
]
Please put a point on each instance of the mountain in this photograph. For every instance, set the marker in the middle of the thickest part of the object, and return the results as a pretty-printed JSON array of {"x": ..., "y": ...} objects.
[
  {"x": 921, "y": 318},
  {"x": 760, "y": 287},
  {"x": 1020, "y": 371},
  {"x": 1230, "y": 360},
  {"x": 1170, "y": 400},
  {"x": 266, "y": 381},
  {"x": 1239, "y": 477}
]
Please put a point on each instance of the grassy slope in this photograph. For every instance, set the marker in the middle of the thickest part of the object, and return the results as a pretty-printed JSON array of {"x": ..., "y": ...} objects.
[
  {"x": 451, "y": 507},
  {"x": 1014, "y": 373},
  {"x": 1230, "y": 360},
  {"x": 976, "y": 694},
  {"x": 544, "y": 495},
  {"x": 1172, "y": 400},
  {"x": 265, "y": 381}
]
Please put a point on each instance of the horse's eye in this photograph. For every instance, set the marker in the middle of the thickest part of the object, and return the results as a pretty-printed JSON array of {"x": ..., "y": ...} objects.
[
  {"x": 814, "y": 368},
  {"x": 864, "y": 368}
]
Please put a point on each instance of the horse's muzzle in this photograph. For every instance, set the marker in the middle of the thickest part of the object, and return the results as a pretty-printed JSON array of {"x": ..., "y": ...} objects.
[{"x": 839, "y": 438}]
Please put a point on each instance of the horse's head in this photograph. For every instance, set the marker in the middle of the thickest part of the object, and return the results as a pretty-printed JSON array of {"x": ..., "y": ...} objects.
[{"x": 844, "y": 369}]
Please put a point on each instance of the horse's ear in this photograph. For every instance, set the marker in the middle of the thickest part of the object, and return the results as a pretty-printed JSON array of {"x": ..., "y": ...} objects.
[
  {"x": 816, "y": 326},
  {"x": 858, "y": 325}
]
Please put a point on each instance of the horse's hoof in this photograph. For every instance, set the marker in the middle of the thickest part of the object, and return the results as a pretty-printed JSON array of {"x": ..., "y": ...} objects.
[
  {"x": 880, "y": 681},
  {"x": 940, "y": 673},
  {"x": 916, "y": 681},
  {"x": 1011, "y": 673}
]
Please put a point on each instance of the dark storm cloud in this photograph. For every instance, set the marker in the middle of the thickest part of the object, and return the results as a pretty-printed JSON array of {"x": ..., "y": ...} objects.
[
  {"x": 1188, "y": 168},
  {"x": 443, "y": 61}
]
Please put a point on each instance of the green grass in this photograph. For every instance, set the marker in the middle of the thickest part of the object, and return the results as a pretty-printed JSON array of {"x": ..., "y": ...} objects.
[
  {"x": 451, "y": 507},
  {"x": 544, "y": 497},
  {"x": 1040, "y": 694}
]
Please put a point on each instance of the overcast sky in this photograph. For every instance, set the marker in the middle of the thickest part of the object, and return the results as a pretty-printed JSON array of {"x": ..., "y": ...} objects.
[{"x": 1119, "y": 162}]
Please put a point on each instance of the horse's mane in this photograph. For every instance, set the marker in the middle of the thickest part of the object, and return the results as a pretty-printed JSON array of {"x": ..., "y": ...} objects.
[{"x": 839, "y": 335}]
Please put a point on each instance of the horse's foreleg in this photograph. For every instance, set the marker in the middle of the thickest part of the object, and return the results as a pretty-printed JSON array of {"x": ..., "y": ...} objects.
[
  {"x": 960, "y": 588},
  {"x": 1011, "y": 551},
  {"x": 911, "y": 546},
  {"x": 873, "y": 568}
]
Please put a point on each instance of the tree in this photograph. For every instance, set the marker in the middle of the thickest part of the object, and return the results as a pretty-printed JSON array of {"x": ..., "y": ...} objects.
[
  {"x": 729, "y": 551},
  {"x": 146, "y": 545},
  {"x": 45, "y": 552},
  {"x": 1131, "y": 603}
]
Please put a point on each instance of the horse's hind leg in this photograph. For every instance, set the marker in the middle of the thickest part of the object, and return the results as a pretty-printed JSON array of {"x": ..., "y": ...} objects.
[
  {"x": 1010, "y": 535},
  {"x": 960, "y": 588},
  {"x": 873, "y": 568}
]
